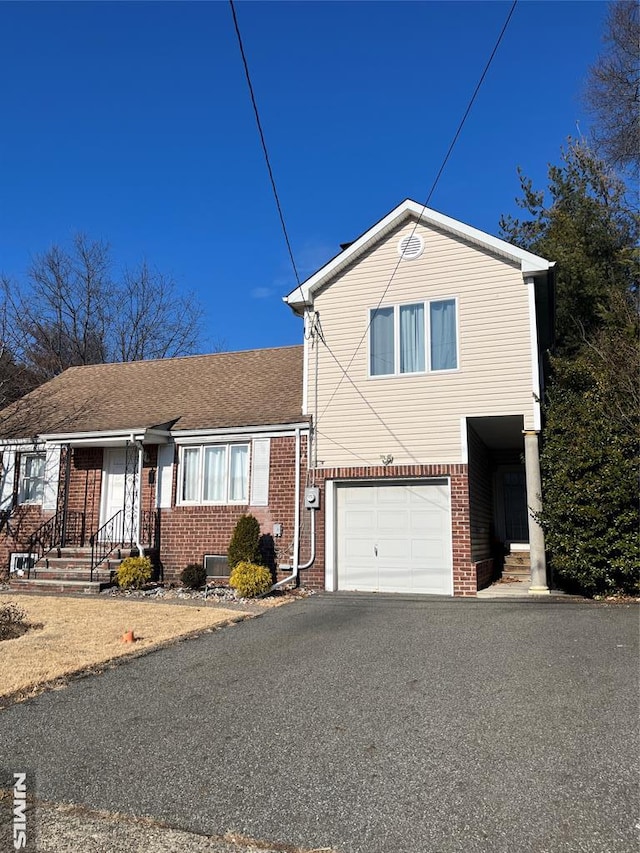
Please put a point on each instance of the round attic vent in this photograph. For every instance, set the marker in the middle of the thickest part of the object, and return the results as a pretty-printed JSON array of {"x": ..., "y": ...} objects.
[{"x": 410, "y": 246}]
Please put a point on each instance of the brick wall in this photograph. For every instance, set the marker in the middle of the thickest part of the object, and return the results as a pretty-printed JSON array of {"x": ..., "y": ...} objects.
[
  {"x": 187, "y": 533},
  {"x": 85, "y": 483},
  {"x": 85, "y": 478},
  {"x": 464, "y": 570}
]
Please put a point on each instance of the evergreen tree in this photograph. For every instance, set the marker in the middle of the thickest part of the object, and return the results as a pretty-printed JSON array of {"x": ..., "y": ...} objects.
[{"x": 591, "y": 447}]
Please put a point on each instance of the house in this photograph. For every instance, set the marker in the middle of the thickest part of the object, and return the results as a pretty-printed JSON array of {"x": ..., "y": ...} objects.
[
  {"x": 422, "y": 378},
  {"x": 158, "y": 456},
  {"x": 395, "y": 450}
]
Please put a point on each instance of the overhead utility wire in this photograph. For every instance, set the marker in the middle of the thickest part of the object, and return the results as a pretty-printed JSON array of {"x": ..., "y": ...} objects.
[
  {"x": 345, "y": 371},
  {"x": 264, "y": 144}
]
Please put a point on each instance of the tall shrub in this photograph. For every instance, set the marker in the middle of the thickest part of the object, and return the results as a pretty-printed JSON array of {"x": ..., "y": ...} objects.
[{"x": 245, "y": 542}]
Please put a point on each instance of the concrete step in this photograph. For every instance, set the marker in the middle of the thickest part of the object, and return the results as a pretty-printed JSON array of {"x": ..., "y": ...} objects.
[
  {"x": 71, "y": 564},
  {"x": 517, "y": 558},
  {"x": 516, "y": 571},
  {"x": 56, "y": 586},
  {"x": 519, "y": 589},
  {"x": 69, "y": 573}
]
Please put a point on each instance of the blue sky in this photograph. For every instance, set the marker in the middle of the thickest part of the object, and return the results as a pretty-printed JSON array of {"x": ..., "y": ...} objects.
[{"x": 132, "y": 123}]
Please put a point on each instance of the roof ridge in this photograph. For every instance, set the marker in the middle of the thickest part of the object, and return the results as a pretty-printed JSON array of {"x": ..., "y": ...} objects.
[{"x": 180, "y": 357}]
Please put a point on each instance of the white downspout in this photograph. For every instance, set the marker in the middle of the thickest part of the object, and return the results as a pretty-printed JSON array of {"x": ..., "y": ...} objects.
[
  {"x": 139, "y": 525},
  {"x": 296, "y": 533},
  {"x": 296, "y": 521}
]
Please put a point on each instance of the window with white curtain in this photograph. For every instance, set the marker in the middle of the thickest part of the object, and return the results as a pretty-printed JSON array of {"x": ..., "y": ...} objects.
[
  {"x": 402, "y": 336},
  {"x": 215, "y": 474}
]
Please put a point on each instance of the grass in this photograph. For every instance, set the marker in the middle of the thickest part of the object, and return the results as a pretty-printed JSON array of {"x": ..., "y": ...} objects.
[{"x": 76, "y": 635}]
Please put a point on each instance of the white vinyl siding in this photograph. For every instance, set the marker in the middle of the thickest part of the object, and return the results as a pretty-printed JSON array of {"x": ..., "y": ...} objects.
[
  {"x": 416, "y": 417},
  {"x": 214, "y": 474}
]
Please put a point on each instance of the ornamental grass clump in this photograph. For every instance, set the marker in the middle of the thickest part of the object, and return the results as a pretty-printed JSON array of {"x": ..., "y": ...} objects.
[
  {"x": 134, "y": 572},
  {"x": 250, "y": 580},
  {"x": 193, "y": 576}
]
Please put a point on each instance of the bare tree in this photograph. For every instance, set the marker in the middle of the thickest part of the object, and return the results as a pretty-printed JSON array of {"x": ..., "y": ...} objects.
[
  {"x": 73, "y": 311},
  {"x": 613, "y": 88},
  {"x": 153, "y": 320}
]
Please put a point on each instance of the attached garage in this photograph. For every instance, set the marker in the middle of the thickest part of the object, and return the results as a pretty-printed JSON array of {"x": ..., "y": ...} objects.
[{"x": 394, "y": 537}]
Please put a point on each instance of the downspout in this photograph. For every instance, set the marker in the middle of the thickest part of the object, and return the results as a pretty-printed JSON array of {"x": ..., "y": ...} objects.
[
  {"x": 139, "y": 524},
  {"x": 296, "y": 532}
]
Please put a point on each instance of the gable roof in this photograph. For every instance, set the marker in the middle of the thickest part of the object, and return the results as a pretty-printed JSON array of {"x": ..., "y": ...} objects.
[
  {"x": 530, "y": 264},
  {"x": 234, "y": 389}
]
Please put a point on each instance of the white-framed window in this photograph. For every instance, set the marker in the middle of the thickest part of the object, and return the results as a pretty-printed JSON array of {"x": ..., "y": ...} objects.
[
  {"x": 32, "y": 476},
  {"x": 214, "y": 474},
  {"x": 418, "y": 337}
]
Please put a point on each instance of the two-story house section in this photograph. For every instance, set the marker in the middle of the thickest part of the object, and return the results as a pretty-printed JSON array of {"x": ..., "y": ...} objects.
[{"x": 422, "y": 380}]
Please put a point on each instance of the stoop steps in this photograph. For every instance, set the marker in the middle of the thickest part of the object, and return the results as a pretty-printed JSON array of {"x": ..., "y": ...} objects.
[{"x": 67, "y": 570}]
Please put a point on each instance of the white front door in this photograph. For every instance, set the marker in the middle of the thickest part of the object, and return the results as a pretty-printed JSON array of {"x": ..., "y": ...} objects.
[
  {"x": 394, "y": 538},
  {"x": 116, "y": 496}
]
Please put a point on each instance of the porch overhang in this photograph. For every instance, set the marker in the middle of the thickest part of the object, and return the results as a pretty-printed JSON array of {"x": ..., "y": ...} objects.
[{"x": 109, "y": 438}]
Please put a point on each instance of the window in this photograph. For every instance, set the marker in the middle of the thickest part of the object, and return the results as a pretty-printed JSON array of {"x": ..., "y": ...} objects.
[
  {"x": 401, "y": 336},
  {"x": 215, "y": 474},
  {"x": 32, "y": 478}
]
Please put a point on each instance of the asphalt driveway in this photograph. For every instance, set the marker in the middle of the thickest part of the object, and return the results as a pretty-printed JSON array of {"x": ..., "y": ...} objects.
[{"x": 364, "y": 724}]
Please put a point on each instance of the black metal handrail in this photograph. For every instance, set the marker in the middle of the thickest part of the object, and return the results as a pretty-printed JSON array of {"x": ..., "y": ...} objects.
[
  {"x": 149, "y": 528},
  {"x": 106, "y": 539},
  {"x": 112, "y": 535},
  {"x": 63, "y": 528}
]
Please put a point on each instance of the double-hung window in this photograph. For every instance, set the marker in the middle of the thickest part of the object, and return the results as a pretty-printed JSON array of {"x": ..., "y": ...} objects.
[
  {"x": 215, "y": 474},
  {"x": 32, "y": 467},
  {"x": 413, "y": 338}
]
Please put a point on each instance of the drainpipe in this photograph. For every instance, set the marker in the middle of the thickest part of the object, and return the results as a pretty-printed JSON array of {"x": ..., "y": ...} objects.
[
  {"x": 296, "y": 532},
  {"x": 139, "y": 525}
]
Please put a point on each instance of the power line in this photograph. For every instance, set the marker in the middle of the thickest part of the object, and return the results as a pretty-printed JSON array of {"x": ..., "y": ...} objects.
[
  {"x": 345, "y": 371},
  {"x": 263, "y": 142}
]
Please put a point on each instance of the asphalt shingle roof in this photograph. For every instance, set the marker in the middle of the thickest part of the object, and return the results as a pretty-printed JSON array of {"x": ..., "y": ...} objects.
[{"x": 250, "y": 388}]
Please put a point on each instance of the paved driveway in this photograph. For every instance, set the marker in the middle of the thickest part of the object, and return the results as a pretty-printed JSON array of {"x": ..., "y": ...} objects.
[{"x": 364, "y": 723}]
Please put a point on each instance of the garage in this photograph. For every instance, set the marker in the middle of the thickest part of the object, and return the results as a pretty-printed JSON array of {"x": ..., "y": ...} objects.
[{"x": 394, "y": 537}]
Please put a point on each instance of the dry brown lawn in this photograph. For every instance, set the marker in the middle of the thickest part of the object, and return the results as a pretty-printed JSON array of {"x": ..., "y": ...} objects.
[{"x": 80, "y": 635}]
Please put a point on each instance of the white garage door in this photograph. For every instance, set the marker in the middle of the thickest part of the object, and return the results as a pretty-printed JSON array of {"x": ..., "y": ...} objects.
[{"x": 394, "y": 538}]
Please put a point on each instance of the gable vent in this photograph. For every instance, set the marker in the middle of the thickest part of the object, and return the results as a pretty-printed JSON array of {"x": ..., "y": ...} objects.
[{"x": 410, "y": 246}]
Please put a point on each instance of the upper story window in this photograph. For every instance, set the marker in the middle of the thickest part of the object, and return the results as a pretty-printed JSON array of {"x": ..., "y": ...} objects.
[
  {"x": 215, "y": 474},
  {"x": 413, "y": 338},
  {"x": 31, "y": 490}
]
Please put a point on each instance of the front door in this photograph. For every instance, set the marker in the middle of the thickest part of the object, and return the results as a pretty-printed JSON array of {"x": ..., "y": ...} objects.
[
  {"x": 119, "y": 494},
  {"x": 516, "y": 516}
]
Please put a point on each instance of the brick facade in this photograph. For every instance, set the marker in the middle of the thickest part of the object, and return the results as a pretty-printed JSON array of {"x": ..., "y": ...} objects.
[
  {"x": 187, "y": 533},
  {"x": 464, "y": 569}
]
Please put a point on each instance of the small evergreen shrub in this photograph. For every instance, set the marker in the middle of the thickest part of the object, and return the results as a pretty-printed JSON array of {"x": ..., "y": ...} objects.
[
  {"x": 245, "y": 542},
  {"x": 12, "y": 621},
  {"x": 134, "y": 572},
  {"x": 250, "y": 579},
  {"x": 193, "y": 576}
]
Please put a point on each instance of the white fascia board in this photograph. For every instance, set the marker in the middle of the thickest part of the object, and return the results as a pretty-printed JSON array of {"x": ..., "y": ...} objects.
[
  {"x": 106, "y": 438},
  {"x": 529, "y": 263},
  {"x": 24, "y": 445},
  {"x": 196, "y": 436}
]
